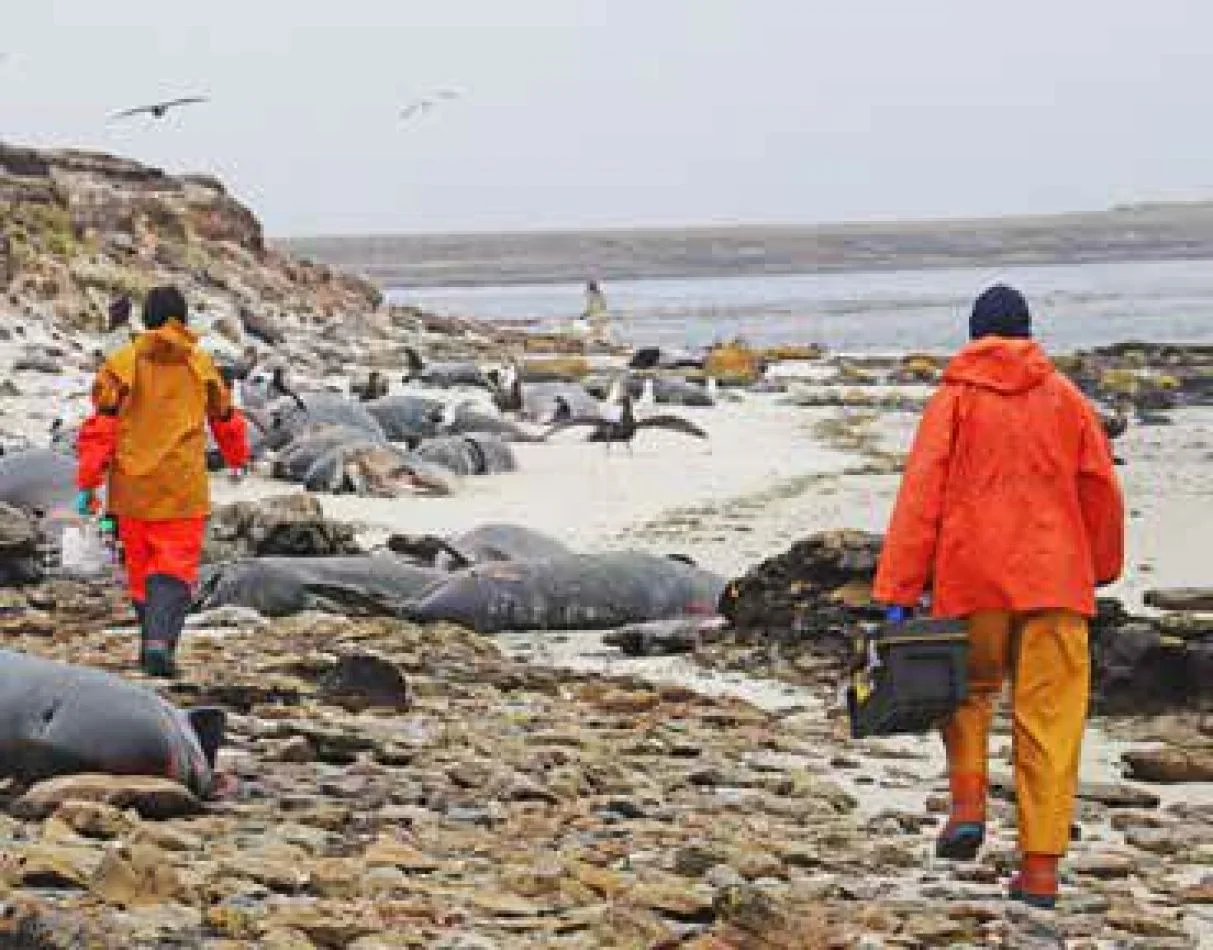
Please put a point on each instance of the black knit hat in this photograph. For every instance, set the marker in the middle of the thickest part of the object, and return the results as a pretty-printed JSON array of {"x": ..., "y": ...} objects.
[
  {"x": 162, "y": 305},
  {"x": 1000, "y": 311}
]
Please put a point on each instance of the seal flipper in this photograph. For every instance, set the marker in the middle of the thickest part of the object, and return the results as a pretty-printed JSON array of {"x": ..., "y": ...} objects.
[{"x": 208, "y": 723}]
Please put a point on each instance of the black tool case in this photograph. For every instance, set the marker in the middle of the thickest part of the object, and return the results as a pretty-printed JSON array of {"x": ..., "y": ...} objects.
[{"x": 909, "y": 677}]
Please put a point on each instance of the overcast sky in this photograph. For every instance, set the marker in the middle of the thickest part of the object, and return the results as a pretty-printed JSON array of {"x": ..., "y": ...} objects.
[{"x": 589, "y": 113}]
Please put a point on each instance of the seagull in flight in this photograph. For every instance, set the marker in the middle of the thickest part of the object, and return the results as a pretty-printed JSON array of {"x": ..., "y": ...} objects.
[
  {"x": 158, "y": 110},
  {"x": 422, "y": 106}
]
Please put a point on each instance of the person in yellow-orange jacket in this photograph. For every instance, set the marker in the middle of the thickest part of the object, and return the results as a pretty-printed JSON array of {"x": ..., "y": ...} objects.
[
  {"x": 153, "y": 400},
  {"x": 1011, "y": 511}
]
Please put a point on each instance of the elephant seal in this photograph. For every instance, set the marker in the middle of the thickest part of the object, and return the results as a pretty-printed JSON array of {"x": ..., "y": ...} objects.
[
  {"x": 37, "y": 480},
  {"x": 288, "y": 418},
  {"x": 486, "y": 542},
  {"x": 574, "y": 592},
  {"x": 444, "y": 375},
  {"x": 466, "y": 419},
  {"x": 472, "y": 454},
  {"x": 549, "y": 402},
  {"x": 406, "y": 417},
  {"x": 360, "y": 585},
  {"x": 57, "y": 719},
  {"x": 298, "y": 457},
  {"x": 665, "y": 390},
  {"x": 377, "y": 470}
]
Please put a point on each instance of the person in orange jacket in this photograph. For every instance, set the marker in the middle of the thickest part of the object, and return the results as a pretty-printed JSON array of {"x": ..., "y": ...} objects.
[
  {"x": 152, "y": 401},
  {"x": 1010, "y": 509}
]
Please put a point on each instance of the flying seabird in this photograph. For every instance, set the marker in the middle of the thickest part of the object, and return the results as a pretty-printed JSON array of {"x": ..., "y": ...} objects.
[
  {"x": 422, "y": 106},
  {"x": 158, "y": 110}
]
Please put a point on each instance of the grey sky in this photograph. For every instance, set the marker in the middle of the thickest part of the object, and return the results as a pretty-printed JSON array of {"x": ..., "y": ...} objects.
[{"x": 583, "y": 113}]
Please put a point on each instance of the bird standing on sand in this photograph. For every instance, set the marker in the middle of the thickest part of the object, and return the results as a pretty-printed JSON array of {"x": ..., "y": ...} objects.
[
  {"x": 624, "y": 428},
  {"x": 158, "y": 110}
]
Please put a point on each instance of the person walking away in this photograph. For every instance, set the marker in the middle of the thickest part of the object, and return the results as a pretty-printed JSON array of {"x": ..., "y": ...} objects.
[
  {"x": 151, "y": 402},
  {"x": 1010, "y": 508}
]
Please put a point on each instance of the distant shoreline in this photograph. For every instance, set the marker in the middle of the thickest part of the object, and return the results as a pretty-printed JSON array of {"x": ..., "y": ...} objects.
[{"x": 1147, "y": 232}]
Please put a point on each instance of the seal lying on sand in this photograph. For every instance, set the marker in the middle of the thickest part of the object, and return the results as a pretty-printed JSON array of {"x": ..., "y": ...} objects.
[
  {"x": 444, "y": 375},
  {"x": 466, "y": 419},
  {"x": 57, "y": 719},
  {"x": 371, "y": 469},
  {"x": 362, "y": 585},
  {"x": 574, "y": 592},
  {"x": 406, "y": 417},
  {"x": 486, "y": 542},
  {"x": 288, "y": 419},
  {"x": 664, "y": 390},
  {"x": 467, "y": 454},
  {"x": 551, "y": 402},
  {"x": 38, "y": 480}
]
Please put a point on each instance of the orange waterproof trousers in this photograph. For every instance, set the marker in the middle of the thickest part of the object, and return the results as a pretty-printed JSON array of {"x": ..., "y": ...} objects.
[
  {"x": 172, "y": 547},
  {"x": 1045, "y": 654}
]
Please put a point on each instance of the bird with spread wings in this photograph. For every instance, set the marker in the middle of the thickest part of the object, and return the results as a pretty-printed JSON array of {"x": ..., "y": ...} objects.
[
  {"x": 158, "y": 110},
  {"x": 422, "y": 106}
]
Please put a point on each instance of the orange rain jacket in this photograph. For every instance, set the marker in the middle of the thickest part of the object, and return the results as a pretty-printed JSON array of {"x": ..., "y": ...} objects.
[
  {"x": 152, "y": 400},
  {"x": 1009, "y": 499}
]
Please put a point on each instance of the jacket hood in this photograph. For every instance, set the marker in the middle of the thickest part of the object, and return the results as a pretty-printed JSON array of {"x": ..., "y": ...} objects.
[
  {"x": 999, "y": 363},
  {"x": 171, "y": 343}
]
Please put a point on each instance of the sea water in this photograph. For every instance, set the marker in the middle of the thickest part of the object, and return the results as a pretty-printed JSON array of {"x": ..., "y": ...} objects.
[{"x": 1074, "y": 306}]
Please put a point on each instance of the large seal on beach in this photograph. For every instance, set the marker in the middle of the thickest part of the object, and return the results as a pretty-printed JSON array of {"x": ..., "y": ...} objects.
[
  {"x": 406, "y": 417},
  {"x": 38, "y": 480},
  {"x": 467, "y": 454},
  {"x": 444, "y": 375},
  {"x": 556, "y": 402},
  {"x": 57, "y": 719},
  {"x": 486, "y": 542},
  {"x": 576, "y": 592},
  {"x": 288, "y": 418},
  {"x": 362, "y": 585}
]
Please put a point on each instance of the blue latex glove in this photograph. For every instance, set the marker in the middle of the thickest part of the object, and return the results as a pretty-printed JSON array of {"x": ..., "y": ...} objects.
[
  {"x": 896, "y": 614},
  {"x": 86, "y": 502}
]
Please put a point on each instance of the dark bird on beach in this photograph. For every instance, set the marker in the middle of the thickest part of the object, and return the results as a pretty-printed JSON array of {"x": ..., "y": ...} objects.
[
  {"x": 624, "y": 428},
  {"x": 158, "y": 110},
  {"x": 1115, "y": 423},
  {"x": 278, "y": 387}
]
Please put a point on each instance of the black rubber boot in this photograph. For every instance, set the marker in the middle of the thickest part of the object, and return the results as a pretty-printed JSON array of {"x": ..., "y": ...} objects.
[
  {"x": 140, "y": 614},
  {"x": 168, "y": 601}
]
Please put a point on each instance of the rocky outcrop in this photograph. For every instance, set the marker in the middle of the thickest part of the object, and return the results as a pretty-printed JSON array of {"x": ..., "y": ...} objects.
[
  {"x": 283, "y": 526},
  {"x": 809, "y": 602},
  {"x": 79, "y": 228}
]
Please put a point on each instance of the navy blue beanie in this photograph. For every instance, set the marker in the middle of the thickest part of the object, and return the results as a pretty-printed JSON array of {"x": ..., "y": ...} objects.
[{"x": 1000, "y": 311}]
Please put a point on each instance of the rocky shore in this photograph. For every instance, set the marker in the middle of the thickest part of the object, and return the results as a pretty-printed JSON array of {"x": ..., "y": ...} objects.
[{"x": 404, "y": 785}]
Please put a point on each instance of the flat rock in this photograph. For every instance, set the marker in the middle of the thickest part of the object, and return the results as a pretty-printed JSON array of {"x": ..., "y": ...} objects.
[
  {"x": 363, "y": 681},
  {"x": 1198, "y": 599},
  {"x": 154, "y": 798},
  {"x": 1169, "y": 765},
  {"x": 1103, "y": 865}
]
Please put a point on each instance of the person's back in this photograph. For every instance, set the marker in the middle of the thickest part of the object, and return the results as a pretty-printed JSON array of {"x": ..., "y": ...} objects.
[
  {"x": 1010, "y": 510},
  {"x": 153, "y": 400},
  {"x": 1025, "y": 487},
  {"x": 172, "y": 386}
]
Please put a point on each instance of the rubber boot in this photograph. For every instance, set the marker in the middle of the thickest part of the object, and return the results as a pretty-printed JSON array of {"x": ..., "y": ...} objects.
[
  {"x": 168, "y": 601},
  {"x": 965, "y": 831},
  {"x": 140, "y": 614},
  {"x": 1036, "y": 882}
]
